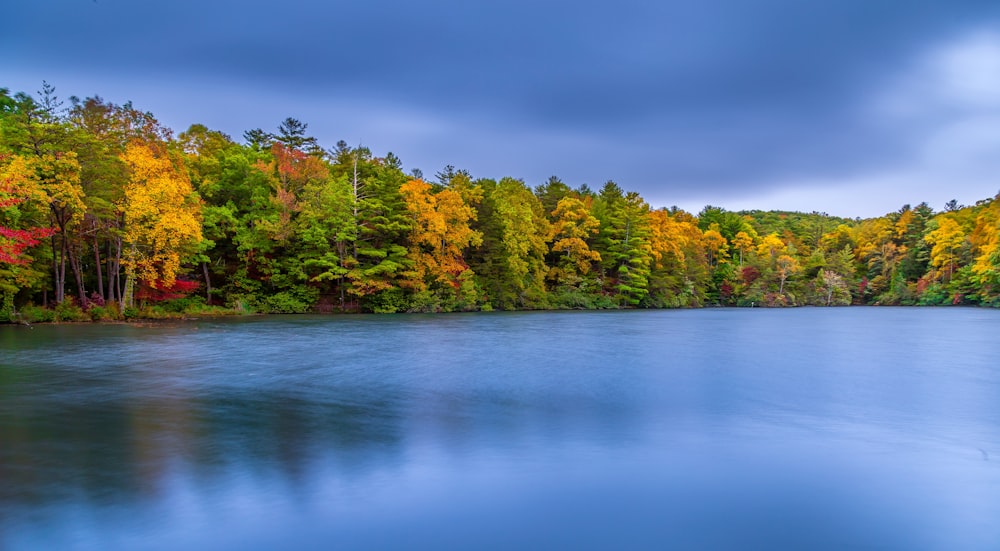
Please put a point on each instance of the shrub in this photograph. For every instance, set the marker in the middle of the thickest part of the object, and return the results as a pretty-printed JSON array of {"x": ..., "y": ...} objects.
[
  {"x": 285, "y": 303},
  {"x": 37, "y": 314},
  {"x": 67, "y": 310},
  {"x": 100, "y": 313},
  {"x": 182, "y": 305},
  {"x": 934, "y": 294},
  {"x": 113, "y": 309},
  {"x": 7, "y": 308},
  {"x": 241, "y": 304},
  {"x": 389, "y": 301},
  {"x": 424, "y": 301},
  {"x": 573, "y": 299}
]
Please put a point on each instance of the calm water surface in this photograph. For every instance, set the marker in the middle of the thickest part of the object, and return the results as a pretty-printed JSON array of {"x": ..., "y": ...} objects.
[{"x": 864, "y": 428}]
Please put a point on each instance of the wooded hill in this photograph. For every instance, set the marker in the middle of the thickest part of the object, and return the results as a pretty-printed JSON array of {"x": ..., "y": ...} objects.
[{"x": 104, "y": 213}]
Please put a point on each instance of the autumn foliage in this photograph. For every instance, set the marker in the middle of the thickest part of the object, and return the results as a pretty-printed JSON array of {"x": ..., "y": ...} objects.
[
  {"x": 179, "y": 289},
  {"x": 162, "y": 215},
  {"x": 15, "y": 190},
  {"x": 100, "y": 201}
]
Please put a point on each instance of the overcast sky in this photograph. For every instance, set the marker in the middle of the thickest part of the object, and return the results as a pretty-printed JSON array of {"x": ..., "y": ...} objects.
[{"x": 848, "y": 107}]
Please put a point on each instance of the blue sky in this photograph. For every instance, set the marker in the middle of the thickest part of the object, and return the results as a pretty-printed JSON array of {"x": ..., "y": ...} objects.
[{"x": 849, "y": 107}]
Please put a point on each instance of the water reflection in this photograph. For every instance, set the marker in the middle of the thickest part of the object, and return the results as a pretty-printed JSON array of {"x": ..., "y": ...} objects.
[{"x": 583, "y": 430}]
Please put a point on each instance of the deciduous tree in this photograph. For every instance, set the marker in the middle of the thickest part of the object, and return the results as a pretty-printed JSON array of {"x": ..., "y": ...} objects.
[
  {"x": 162, "y": 217},
  {"x": 947, "y": 239},
  {"x": 439, "y": 236},
  {"x": 572, "y": 230}
]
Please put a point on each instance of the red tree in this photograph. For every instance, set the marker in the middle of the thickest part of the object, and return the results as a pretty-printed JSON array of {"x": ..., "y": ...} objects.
[{"x": 13, "y": 242}]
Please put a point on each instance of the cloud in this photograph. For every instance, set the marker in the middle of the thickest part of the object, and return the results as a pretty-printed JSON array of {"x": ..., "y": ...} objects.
[
  {"x": 943, "y": 110},
  {"x": 721, "y": 101},
  {"x": 949, "y": 103},
  {"x": 960, "y": 77}
]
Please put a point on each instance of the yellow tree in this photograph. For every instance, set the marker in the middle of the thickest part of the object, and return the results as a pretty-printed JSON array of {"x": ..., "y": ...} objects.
[
  {"x": 947, "y": 240},
  {"x": 876, "y": 246},
  {"x": 573, "y": 226},
  {"x": 162, "y": 217},
  {"x": 53, "y": 183},
  {"x": 19, "y": 230},
  {"x": 838, "y": 238},
  {"x": 771, "y": 247},
  {"x": 985, "y": 239},
  {"x": 906, "y": 219},
  {"x": 716, "y": 246},
  {"x": 440, "y": 234},
  {"x": 671, "y": 237},
  {"x": 679, "y": 261},
  {"x": 743, "y": 243},
  {"x": 59, "y": 188}
]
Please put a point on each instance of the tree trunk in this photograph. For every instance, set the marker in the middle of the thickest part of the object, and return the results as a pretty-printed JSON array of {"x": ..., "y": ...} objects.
[
  {"x": 100, "y": 273},
  {"x": 118, "y": 269},
  {"x": 110, "y": 295},
  {"x": 75, "y": 265},
  {"x": 114, "y": 270},
  {"x": 128, "y": 299},
  {"x": 356, "y": 199},
  {"x": 208, "y": 283},
  {"x": 62, "y": 270},
  {"x": 60, "y": 216},
  {"x": 56, "y": 280}
]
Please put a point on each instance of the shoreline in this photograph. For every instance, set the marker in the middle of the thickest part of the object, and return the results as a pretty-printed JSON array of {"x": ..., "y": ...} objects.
[{"x": 189, "y": 317}]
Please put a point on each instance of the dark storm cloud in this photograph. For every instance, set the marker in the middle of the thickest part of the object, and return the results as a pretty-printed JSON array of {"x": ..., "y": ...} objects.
[{"x": 725, "y": 93}]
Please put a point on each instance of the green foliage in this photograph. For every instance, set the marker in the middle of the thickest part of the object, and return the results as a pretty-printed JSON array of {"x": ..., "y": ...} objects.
[
  {"x": 36, "y": 314},
  {"x": 7, "y": 308},
  {"x": 728, "y": 223},
  {"x": 295, "y": 301},
  {"x": 510, "y": 264},
  {"x": 67, "y": 310},
  {"x": 100, "y": 313},
  {"x": 279, "y": 225},
  {"x": 936, "y": 294},
  {"x": 623, "y": 244},
  {"x": 393, "y": 300},
  {"x": 182, "y": 305}
]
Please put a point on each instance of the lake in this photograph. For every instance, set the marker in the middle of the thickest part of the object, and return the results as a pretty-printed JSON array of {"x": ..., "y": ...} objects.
[{"x": 808, "y": 428}]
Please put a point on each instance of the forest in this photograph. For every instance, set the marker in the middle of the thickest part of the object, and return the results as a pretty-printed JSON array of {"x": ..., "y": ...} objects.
[{"x": 105, "y": 214}]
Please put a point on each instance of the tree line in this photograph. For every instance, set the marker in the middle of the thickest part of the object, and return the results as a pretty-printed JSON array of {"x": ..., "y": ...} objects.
[{"x": 104, "y": 213}]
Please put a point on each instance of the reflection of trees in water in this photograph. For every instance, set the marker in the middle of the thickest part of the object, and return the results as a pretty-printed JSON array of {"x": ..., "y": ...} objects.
[
  {"x": 481, "y": 417},
  {"x": 123, "y": 448},
  {"x": 126, "y": 447},
  {"x": 289, "y": 432}
]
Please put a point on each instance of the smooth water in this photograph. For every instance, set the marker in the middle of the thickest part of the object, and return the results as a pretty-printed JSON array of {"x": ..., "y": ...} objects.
[{"x": 867, "y": 428}]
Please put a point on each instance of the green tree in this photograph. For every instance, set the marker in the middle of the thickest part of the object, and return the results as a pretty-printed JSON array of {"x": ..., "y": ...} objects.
[
  {"x": 381, "y": 226},
  {"x": 623, "y": 242},
  {"x": 292, "y": 133},
  {"x": 511, "y": 262}
]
